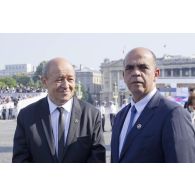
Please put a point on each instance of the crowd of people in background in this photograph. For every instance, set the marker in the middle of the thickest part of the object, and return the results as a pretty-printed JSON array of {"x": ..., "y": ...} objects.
[
  {"x": 21, "y": 89},
  {"x": 9, "y": 98},
  {"x": 111, "y": 109}
]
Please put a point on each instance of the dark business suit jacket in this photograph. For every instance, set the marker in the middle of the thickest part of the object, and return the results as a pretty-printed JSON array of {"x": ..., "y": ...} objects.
[
  {"x": 34, "y": 142},
  {"x": 162, "y": 133}
]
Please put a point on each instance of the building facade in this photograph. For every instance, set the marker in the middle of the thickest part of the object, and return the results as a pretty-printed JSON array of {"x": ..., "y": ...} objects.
[
  {"x": 175, "y": 71},
  {"x": 14, "y": 69},
  {"x": 90, "y": 80},
  {"x": 113, "y": 86}
]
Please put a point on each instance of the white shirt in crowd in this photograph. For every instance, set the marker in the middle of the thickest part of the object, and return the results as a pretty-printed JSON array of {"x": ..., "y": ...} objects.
[
  {"x": 102, "y": 110},
  {"x": 113, "y": 109}
]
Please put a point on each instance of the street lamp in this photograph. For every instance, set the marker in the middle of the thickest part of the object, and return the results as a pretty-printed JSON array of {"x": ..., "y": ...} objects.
[
  {"x": 115, "y": 94},
  {"x": 79, "y": 92}
]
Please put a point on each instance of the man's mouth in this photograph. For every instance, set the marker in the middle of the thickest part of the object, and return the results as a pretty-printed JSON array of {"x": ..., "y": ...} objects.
[
  {"x": 137, "y": 82},
  {"x": 64, "y": 92}
]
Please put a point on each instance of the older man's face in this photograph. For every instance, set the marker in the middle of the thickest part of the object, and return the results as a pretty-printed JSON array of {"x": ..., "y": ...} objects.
[
  {"x": 60, "y": 82},
  {"x": 140, "y": 73}
]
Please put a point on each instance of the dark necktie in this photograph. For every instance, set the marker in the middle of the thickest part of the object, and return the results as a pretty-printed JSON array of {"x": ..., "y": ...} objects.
[
  {"x": 133, "y": 113},
  {"x": 61, "y": 126}
]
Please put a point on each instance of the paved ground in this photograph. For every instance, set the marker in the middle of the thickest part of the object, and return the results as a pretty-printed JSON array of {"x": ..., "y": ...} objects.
[{"x": 7, "y": 128}]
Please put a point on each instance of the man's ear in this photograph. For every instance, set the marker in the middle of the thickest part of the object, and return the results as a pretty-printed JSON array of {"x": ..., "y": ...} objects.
[
  {"x": 157, "y": 73},
  {"x": 44, "y": 81}
]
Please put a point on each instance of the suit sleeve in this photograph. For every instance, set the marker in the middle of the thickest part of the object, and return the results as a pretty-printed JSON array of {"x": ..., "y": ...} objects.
[
  {"x": 20, "y": 147},
  {"x": 98, "y": 151},
  {"x": 178, "y": 137}
]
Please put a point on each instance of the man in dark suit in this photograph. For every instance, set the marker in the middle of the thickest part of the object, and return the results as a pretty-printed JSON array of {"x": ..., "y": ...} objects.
[
  {"x": 60, "y": 127},
  {"x": 151, "y": 128}
]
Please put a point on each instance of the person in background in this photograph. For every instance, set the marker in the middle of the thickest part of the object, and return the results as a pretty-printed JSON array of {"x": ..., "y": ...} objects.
[
  {"x": 4, "y": 113},
  {"x": 125, "y": 103},
  {"x": 191, "y": 107},
  {"x": 10, "y": 113},
  {"x": 191, "y": 91},
  {"x": 103, "y": 112},
  {"x": 113, "y": 111},
  {"x": 59, "y": 128}
]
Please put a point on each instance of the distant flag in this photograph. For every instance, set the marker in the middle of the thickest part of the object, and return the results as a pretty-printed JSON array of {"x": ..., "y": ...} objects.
[{"x": 124, "y": 50}]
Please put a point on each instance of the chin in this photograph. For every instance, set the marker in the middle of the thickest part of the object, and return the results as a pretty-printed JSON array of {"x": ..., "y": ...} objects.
[
  {"x": 67, "y": 97},
  {"x": 137, "y": 89}
]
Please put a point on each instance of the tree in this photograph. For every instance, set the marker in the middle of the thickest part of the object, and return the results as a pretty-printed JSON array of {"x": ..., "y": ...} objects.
[
  {"x": 86, "y": 95},
  {"x": 22, "y": 79},
  {"x": 9, "y": 81},
  {"x": 38, "y": 73},
  {"x": 89, "y": 97},
  {"x": 2, "y": 84},
  {"x": 31, "y": 82}
]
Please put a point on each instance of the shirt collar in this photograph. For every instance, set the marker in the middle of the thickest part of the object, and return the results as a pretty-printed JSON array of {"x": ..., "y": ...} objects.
[
  {"x": 67, "y": 106},
  {"x": 140, "y": 105}
]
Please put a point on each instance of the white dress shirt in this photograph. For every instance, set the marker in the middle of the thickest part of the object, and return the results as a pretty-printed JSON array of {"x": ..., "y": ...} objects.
[
  {"x": 55, "y": 117},
  {"x": 113, "y": 109},
  {"x": 139, "y": 107},
  {"x": 102, "y": 110}
]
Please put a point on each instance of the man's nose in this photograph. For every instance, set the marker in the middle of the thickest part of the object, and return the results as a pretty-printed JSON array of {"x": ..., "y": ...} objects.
[
  {"x": 136, "y": 71},
  {"x": 64, "y": 83}
]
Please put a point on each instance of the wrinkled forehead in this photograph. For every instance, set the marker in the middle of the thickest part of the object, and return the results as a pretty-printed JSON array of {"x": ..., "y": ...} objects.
[{"x": 61, "y": 68}]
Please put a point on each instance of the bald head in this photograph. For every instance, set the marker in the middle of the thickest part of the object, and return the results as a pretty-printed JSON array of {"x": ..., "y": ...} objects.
[
  {"x": 140, "y": 52},
  {"x": 48, "y": 67},
  {"x": 59, "y": 79},
  {"x": 140, "y": 72}
]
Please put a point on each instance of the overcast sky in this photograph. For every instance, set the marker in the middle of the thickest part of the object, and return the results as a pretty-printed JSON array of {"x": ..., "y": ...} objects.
[{"x": 88, "y": 49}]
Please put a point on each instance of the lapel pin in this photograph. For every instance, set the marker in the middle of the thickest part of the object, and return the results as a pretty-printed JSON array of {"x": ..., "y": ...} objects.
[
  {"x": 139, "y": 126},
  {"x": 76, "y": 120}
]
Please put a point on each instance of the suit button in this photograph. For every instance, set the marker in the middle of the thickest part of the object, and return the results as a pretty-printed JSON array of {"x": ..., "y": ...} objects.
[{"x": 139, "y": 126}]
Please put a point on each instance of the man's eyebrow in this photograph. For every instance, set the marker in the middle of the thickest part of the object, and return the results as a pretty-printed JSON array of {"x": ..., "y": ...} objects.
[
  {"x": 130, "y": 65},
  {"x": 133, "y": 65},
  {"x": 142, "y": 64}
]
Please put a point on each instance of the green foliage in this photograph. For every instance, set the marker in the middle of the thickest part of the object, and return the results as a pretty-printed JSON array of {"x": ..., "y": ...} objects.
[
  {"x": 37, "y": 75},
  {"x": 31, "y": 82},
  {"x": 8, "y": 81},
  {"x": 86, "y": 96},
  {"x": 2, "y": 84},
  {"x": 84, "y": 93},
  {"x": 89, "y": 98},
  {"x": 22, "y": 79}
]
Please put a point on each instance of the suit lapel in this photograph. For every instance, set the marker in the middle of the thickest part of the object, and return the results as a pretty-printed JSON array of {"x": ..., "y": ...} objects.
[
  {"x": 117, "y": 132},
  {"x": 141, "y": 122},
  {"x": 74, "y": 123},
  {"x": 47, "y": 128}
]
